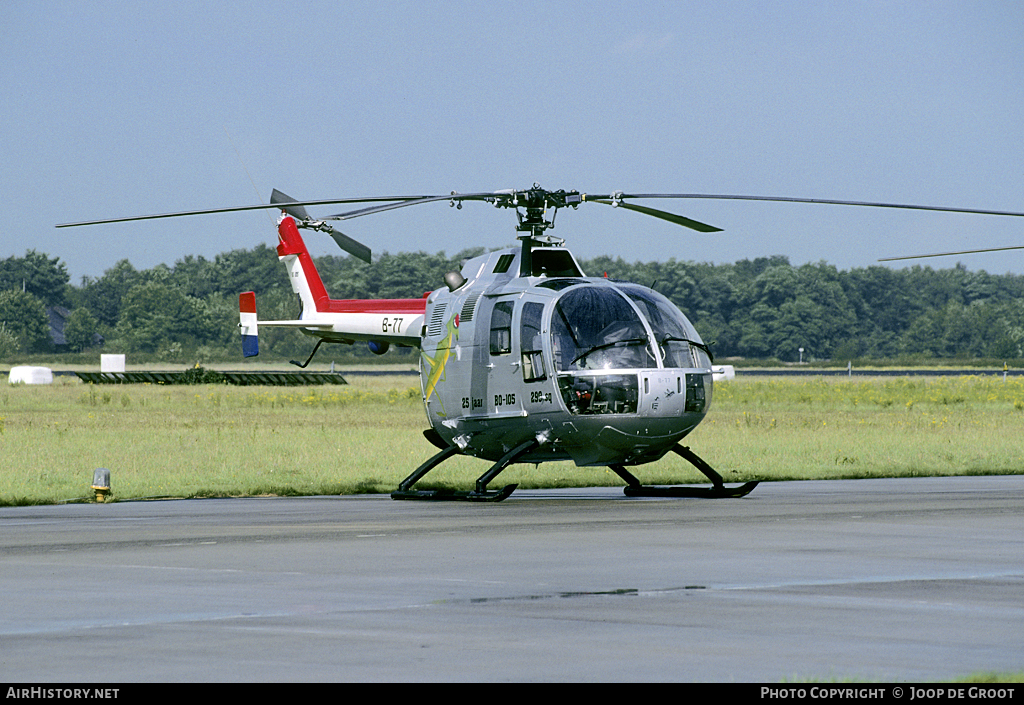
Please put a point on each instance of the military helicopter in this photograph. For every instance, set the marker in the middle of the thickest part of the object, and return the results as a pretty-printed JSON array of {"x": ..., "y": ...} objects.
[{"x": 524, "y": 358}]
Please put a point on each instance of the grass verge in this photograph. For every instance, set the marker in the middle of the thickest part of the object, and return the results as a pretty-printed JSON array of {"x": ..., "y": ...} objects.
[{"x": 213, "y": 440}]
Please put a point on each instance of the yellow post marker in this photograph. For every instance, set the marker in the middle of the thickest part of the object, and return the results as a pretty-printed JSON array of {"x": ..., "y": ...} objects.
[{"x": 101, "y": 483}]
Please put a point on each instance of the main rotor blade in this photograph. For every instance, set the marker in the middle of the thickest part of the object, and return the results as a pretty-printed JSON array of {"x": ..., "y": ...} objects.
[
  {"x": 506, "y": 199},
  {"x": 670, "y": 217},
  {"x": 946, "y": 254},
  {"x": 412, "y": 201},
  {"x": 237, "y": 209},
  {"x": 386, "y": 207},
  {"x": 825, "y": 201}
]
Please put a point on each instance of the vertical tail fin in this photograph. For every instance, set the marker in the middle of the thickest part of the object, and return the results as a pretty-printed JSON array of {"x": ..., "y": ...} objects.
[
  {"x": 248, "y": 325},
  {"x": 302, "y": 274}
]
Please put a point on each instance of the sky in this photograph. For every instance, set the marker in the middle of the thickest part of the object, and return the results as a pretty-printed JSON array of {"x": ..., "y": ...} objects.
[{"x": 114, "y": 109}]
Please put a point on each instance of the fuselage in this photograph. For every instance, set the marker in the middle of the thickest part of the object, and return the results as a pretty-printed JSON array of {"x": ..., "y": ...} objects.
[{"x": 598, "y": 371}]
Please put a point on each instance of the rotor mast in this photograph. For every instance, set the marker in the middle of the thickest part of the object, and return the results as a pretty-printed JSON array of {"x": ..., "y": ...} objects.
[{"x": 532, "y": 224}]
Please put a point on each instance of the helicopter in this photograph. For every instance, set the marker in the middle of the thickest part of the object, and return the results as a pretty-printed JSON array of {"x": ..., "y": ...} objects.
[{"x": 522, "y": 357}]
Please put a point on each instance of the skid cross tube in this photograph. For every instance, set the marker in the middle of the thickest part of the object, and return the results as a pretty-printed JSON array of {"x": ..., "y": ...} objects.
[
  {"x": 718, "y": 490},
  {"x": 406, "y": 484}
]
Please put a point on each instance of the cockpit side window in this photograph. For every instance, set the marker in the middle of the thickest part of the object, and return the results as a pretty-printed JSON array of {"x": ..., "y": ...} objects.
[
  {"x": 530, "y": 342},
  {"x": 501, "y": 328}
]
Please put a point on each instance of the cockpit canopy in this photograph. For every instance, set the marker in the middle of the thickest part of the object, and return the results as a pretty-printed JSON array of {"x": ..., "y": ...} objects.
[{"x": 599, "y": 326}]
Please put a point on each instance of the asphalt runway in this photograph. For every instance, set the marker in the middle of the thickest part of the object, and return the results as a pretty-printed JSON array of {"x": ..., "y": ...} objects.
[{"x": 890, "y": 580}]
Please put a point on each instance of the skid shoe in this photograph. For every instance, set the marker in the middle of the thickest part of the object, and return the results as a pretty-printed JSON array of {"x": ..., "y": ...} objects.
[{"x": 456, "y": 495}]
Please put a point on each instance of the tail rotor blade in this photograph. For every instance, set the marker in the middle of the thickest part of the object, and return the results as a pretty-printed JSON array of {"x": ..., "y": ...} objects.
[
  {"x": 353, "y": 247},
  {"x": 299, "y": 212}
]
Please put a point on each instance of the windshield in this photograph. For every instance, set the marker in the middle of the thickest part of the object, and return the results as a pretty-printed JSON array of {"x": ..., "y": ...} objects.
[
  {"x": 678, "y": 341},
  {"x": 595, "y": 328}
]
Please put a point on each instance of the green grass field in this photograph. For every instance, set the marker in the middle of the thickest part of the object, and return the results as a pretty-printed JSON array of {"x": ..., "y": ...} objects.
[{"x": 180, "y": 441}]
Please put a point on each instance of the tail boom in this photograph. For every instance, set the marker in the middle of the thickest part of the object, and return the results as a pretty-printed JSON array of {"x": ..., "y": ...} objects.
[
  {"x": 380, "y": 321},
  {"x": 397, "y": 321}
]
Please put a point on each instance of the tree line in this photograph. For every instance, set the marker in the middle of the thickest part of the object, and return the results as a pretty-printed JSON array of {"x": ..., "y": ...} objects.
[{"x": 765, "y": 308}]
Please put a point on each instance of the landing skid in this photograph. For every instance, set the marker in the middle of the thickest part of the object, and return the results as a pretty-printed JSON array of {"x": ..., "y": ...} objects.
[
  {"x": 456, "y": 495},
  {"x": 480, "y": 494},
  {"x": 718, "y": 490},
  {"x": 634, "y": 488}
]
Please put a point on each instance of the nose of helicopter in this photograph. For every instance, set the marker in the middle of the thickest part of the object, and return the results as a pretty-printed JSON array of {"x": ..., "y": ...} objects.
[
  {"x": 670, "y": 393},
  {"x": 670, "y": 404}
]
